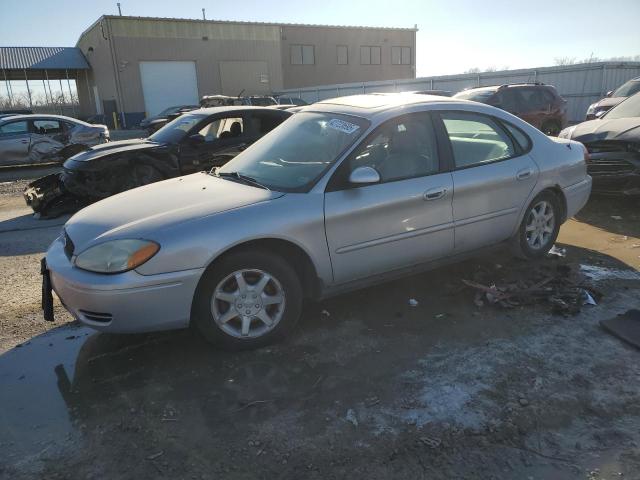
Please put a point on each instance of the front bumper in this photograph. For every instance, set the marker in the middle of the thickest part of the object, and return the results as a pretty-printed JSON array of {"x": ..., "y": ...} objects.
[
  {"x": 615, "y": 172},
  {"x": 122, "y": 303},
  {"x": 577, "y": 196}
]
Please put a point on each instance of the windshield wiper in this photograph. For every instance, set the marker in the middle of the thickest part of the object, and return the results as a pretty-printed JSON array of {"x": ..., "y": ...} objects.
[{"x": 243, "y": 178}]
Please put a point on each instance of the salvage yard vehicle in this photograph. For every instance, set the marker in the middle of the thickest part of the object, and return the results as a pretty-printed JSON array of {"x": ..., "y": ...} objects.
[
  {"x": 613, "y": 98},
  {"x": 536, "y": 103},
  {"x": 346, "y": 193},
  {"x": 36, "y": 139},
  {"x": 613, "y": 142},
  {"x": 156, "y": 122},
  {"x": 197, "y": 140}
]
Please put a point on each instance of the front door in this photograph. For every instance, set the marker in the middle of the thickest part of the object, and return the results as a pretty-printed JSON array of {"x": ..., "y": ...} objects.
[
  {"x": 491, "y": 180},
  {"x": 404, "y": 219},
  {"x": 14, "y": 143}
]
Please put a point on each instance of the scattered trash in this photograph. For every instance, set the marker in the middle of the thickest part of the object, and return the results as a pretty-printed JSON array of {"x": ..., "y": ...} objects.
[
  {"x": 597, "y": 273},
  {"x": 431, "y": 442},
  {"x": 616, "y": 217},
  {"x": 155, "y": 455},
  {"x": 559, "y": 289},
  {"x": 557, "y": 252},
  {"x": 413, "y": 302},
  {"x": 351, "y": 417},
  {"x": 325, "y": 313},
  {"x": 440, "y": 315},
  {"x": 625, "y": 326}
]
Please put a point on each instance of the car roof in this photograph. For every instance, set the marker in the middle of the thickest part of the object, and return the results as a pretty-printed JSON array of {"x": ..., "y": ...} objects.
[
  {"x": 45, "y": 116},
  {"x": 369, "y": 105},
  {"x": 229, "y": 108}
]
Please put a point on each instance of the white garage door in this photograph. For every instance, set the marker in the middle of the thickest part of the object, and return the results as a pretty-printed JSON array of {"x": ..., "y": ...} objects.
[{"x": 165, "y": 84}]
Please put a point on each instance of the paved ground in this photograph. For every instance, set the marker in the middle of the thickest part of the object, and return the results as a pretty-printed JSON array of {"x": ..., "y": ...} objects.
[{"x": 367, "y": 387}]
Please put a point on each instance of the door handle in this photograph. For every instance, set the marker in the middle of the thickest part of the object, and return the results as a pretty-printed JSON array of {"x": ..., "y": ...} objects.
[
  {"x": 522, "y": 174},
  {"x": 435, "y": 193}
]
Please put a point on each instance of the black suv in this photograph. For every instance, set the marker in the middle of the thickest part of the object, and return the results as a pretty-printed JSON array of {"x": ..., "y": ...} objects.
[{"x": 536, "y": 103}]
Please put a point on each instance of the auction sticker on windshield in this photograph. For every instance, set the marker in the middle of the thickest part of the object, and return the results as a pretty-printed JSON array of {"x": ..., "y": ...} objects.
[{"x": 342, "y": 126}]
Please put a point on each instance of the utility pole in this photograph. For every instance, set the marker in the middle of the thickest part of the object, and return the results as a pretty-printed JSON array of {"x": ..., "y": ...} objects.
[{"x": 119, "y": 9}]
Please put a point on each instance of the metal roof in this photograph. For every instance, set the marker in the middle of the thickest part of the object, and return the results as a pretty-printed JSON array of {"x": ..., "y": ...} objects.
[{"x": 42, "y": 58}]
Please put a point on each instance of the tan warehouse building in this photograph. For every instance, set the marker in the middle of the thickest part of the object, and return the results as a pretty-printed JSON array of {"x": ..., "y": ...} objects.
[{"x": 141, "y": 65}]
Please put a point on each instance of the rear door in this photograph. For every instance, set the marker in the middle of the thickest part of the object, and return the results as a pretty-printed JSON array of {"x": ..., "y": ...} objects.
[
  {"x": 15, "y": 139},
  {"x": 492, "y": 177},
  {"x": 406, "y": 218}
]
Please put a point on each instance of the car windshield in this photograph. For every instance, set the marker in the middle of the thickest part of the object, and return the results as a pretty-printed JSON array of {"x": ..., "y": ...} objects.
[
  {"x": 176, "y": 130},
  {"x": 294, "y": 155},
  {"x": 167, "y": 111},
  {"x": 628, "y": 108},
  {"x": 627, "y": 89},
  {"x": 475, "y": 95},
  {"x": 262, "y": 101}
]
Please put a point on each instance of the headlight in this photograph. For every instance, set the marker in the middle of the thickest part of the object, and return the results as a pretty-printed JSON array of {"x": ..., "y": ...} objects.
[
  {"x": 592, "y": 109},
  {"x": 567, "y": 132},
  {"x": 116, "y": 256}
]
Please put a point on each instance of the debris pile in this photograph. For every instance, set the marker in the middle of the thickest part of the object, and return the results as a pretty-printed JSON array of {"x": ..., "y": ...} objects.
[{"x": 562, "y": 288}]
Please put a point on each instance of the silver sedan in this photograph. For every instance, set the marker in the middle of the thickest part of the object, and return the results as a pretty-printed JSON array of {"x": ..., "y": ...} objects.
[
  {"x": 32, "y": 139},
  {"x": 346, "y": 193}
]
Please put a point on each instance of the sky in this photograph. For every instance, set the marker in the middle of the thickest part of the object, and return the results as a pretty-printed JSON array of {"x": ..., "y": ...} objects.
[{"x": 453, "y": 36}]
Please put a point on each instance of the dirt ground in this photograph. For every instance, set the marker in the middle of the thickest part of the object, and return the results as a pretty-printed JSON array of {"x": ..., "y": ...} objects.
[{"x": 368, "y": 386}]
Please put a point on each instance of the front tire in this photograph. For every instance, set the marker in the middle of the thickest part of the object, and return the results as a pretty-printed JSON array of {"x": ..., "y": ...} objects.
[
  {"x": 247, "y": 300},
  {"x": 539, "y": 228}
]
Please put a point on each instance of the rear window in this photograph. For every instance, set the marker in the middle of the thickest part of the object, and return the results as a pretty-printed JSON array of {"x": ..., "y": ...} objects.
[
  {"x": 519, "y": 136},
  {"x": 475, "y": 95}
]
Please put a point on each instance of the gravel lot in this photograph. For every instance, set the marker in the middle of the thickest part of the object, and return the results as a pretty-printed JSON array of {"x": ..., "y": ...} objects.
[{"x": 367, "y": 387}]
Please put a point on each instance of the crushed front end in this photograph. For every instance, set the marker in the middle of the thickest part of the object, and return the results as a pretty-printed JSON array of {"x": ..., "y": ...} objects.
[
  {"x": 48, "y": 197},
  {"x": 614, "y": 167}
]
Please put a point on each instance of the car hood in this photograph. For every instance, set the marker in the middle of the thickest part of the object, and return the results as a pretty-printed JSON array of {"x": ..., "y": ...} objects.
[
  {"x": 140, "y": 212},
  {"x": 610, "y": 102},
  {"x": 620, "y": 129},
  {"x": 110, "y": 148}
]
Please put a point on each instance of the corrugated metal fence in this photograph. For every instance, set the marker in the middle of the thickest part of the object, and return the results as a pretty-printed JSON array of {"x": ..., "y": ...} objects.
[{"x": 580, "y": 84}]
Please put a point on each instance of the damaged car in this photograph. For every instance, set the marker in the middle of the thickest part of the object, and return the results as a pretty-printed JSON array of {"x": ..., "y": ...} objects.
[
  {"x": 347, "y": 193},
  {"x": 195, "y": 141},
  {"x": 36, "y": 139},
  {"x": 613, "y": 98},
  {"x": 156, "y": 122},
  {"x": 613, "y": 142}
]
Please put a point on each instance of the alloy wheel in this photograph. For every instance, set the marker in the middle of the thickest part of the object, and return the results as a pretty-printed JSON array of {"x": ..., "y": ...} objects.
[
  {"x": 248, "y": 303},
  {"x": 540, "y": 225}
]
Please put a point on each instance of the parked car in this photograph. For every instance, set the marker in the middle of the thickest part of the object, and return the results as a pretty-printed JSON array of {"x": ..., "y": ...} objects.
[
  {"x": 288, "y": 100},
  {"x": 613, "y": 141},
  {"x": 613, "y": 98},
  {"x": 13, "y": 112},
  {"x": 156, "y": 122},
  {"x": 224, "y": 100},
  {"x": 346, "y": 193},
  {"x": 536, "y": 103},
  {"x": 438, "y": 93},
  {"x": 34, "y": 139},
  {"x": 197, "y": 140}
]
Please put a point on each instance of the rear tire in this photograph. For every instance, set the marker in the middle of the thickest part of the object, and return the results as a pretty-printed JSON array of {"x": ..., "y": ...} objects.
[
  {"x": 246, "y": 300},
  {"x": 539, "y": 228}
]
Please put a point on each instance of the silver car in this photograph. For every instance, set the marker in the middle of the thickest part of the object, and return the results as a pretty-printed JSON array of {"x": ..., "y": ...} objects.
[
  {"x": 32, "y": 139},
  {"x": 344, "y": 194}
]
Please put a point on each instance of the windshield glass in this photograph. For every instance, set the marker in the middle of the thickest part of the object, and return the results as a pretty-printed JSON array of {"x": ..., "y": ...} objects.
[
  {"x": 262, "y": 101},
  {"x": 475, "y": 95},
  {"x": 628, "y": 108},
  {"x": 176, "y": 130},
  {"x": 627, "y": 89},
  {"x": 294, "y": 155}
]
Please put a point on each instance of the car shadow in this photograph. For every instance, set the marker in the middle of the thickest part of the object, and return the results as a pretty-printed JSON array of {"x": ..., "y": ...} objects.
[
  {"x": 25, "y": 235},
  {"x": 618, "y": 215}
]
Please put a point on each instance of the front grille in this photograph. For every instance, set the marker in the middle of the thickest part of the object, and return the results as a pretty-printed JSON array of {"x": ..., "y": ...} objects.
[
  {"x": 69, "y": 247},
  {"x": 96, "y": 316},
  {"x": 606, "y": 147}
]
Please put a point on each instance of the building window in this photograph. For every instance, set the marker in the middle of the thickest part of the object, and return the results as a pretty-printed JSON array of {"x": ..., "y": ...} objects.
[
  {"x": 343, "y": 55},
  {"x": 302, "y": 55},
  {"x": 369, "y": 55},
  {"x": 401, "y": 55}
]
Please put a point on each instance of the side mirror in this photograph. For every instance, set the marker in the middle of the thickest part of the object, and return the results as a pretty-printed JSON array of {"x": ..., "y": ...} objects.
[
  {"x": 609, "y": 93},
  {"x": 196, "y": 139},
  {"x": 364, "y": 176}
]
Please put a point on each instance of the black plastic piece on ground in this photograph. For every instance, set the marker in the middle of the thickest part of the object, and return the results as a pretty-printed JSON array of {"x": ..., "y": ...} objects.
[{"x": 625, "y": 326}]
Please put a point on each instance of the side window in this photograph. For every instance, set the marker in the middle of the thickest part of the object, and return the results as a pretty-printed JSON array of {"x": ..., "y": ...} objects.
[
  {"x": 402, "y": 148},
  {"x": 222, "y": 128},
  {"x": 476, "y": 139},
  {"x": 47, "y": 127},
  {"x": 532, "y": 98},
  {"x": 14, "y": 128},
  {"x": 520, "y": 137},
  {"x": 508, "y": 100},
  {"x": 262, "y": 123}
]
